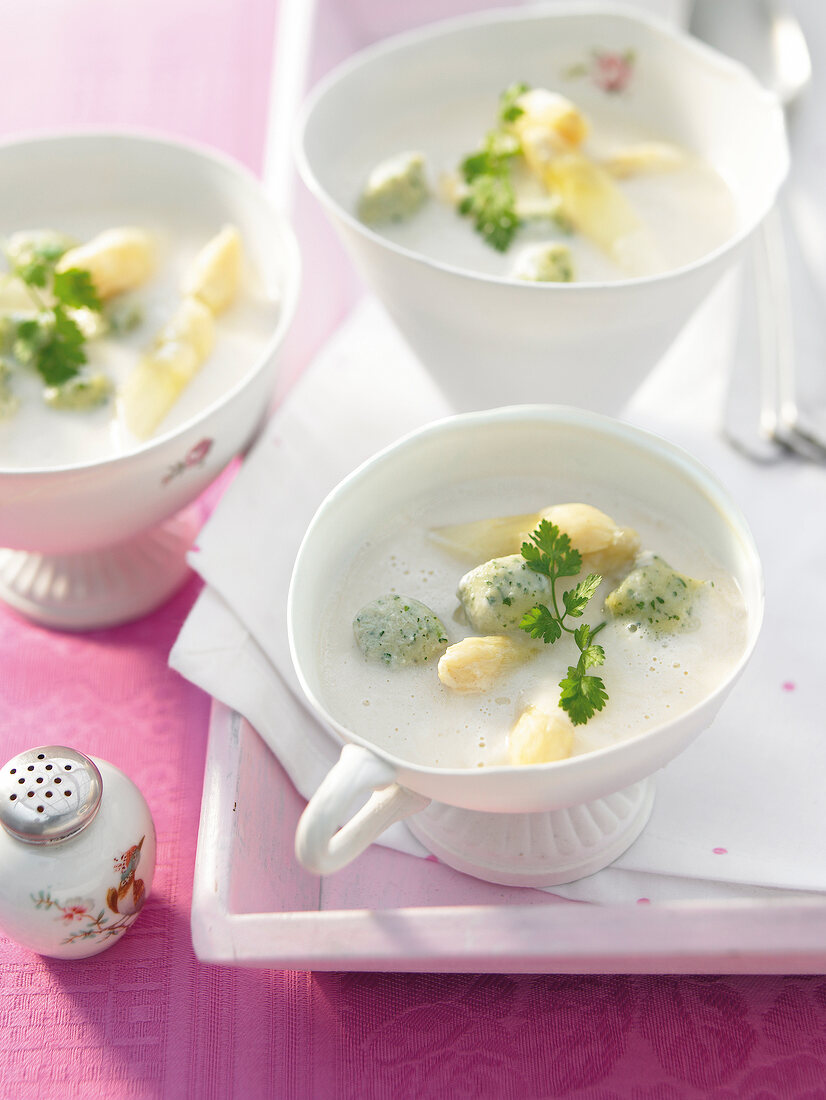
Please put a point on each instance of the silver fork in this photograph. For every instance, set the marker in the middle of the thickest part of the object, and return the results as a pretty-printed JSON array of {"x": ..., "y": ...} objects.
[
  {"x": 781, "y": 419},
  {"x": 767, "y": 38}
]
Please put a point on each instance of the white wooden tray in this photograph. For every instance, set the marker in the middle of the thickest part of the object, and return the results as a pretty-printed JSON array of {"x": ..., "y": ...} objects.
[{"x": 253, "y": 905}]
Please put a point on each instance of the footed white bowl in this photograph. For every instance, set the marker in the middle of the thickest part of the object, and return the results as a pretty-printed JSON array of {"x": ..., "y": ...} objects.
[
  {"x": 101, "y": 541},
  {"x": 546, "y": 823},
  {"x": 490, "y": 340}
]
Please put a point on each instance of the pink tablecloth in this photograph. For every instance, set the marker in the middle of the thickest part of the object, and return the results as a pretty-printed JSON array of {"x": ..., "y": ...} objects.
[{"x": 145, "y": 1019}]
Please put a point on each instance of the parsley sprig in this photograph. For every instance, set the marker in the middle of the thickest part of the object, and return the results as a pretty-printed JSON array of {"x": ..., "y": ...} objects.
[
  {"x": 491, "y": 199},
  {"x": 509, "y": 109},
  {"x": 53, "y": 342},
  {"x": 550, "y": 553}
]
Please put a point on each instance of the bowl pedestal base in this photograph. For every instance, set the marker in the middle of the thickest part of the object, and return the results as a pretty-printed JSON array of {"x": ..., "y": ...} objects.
[
  {"x": 538, "y": 849},
  {"x": 104, "y": 587}
]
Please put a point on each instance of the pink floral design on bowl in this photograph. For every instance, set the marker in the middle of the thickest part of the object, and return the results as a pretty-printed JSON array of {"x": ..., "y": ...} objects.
[
  {"x": 194, "y": 457},
  {"x": 613, "y": 71},
  {"x": 609, "y": 70}
]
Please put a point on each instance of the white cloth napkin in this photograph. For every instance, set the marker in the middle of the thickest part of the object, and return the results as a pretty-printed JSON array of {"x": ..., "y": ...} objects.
[{"x": 742, "y": 810}]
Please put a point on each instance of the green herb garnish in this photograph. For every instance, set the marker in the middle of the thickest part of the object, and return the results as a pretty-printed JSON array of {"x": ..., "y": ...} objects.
[
  {"x": 53, "y": 342},
  {"x": 509, "y": 109},
  {"x": 491, "y": 199},
  {"x": 491, "y": 202},
  {"x": 550, "y": 553},
  {"x": 74, "y": 288}
]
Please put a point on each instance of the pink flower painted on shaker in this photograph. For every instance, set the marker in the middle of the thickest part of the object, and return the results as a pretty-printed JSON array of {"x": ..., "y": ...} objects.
[
  {"x": 71, "y": 910},
  {"x": 75, "y": 909},
  {"x": 720, "y": 851},
  {"x": 612, "y": 72},
  {"x": 789, "y": 685},
  {"x": 126, "y": 900}
]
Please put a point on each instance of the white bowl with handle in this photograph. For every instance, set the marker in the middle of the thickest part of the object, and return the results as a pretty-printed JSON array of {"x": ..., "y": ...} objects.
[
  {"x": 101, "y": 540},
  {"x": 541, "y": 824},
  {"x": 488, "y": 339}
]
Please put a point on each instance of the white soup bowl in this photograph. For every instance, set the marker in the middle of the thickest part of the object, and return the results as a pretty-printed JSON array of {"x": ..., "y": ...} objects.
[
  {"x": 545, "y": 823},
  {"x": 86, "y": 544},
  {"x": 491, "y": 340}
]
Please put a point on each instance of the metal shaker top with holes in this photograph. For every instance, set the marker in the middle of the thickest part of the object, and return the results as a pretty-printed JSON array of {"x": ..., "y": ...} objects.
[{"x": 49, "y": 794}]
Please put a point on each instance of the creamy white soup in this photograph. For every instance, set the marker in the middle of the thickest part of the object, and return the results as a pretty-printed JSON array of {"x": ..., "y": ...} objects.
[
  {"x": 33, "y": 434},
  {"x": 651, "y": 675},
  {"x": 629, "y": 203}
]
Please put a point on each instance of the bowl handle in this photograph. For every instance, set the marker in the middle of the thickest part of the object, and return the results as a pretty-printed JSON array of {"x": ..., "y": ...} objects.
[{"x": 320, "y": 845}]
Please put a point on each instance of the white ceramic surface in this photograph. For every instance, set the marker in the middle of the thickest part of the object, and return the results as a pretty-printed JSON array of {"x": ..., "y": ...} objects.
[
  {"x": 489, "y": 340},
  {"x": 594, "y": 450},
  {"x": 540, "y": 849},
  {"x": 67, "y": 512},
  {"x": 74, "y": 898}
]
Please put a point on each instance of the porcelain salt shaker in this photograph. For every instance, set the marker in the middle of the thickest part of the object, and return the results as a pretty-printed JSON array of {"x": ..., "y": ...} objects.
[{"x": 77, "y": 852}]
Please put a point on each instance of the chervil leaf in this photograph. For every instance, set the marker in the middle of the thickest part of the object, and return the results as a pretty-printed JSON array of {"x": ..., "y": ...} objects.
[
  {"x": 556, "y": 556},
  {"x": 29, "y": 337},
  {"x": 536, "y": 560},
  {"x": 509, "y": 109},
  {"x": 33, "y": 260},
  {"x": 577, "y": 599},
  {"x": 587, "y": 588},
  {"x": 581, "y": 696},
  {"x": 61, "y": 355},
  {"x": 539, "y": 622},
  {"x": 476, "y": 165},
  {"x": 52, "y": 250},
  {"x": 29, "y": 330},
  {"x": 589, "y": 654},
  {"x": 493, "y": 159},
  {"x": 52, "y": 342},
  {"x": 492, "y": 204},
  {"x": 491, "y": 199},
  {"x": 35, "y": 272},
  {"x": 592, "y": 655},
  {"x": 74, "y": 288},
  {"x": 574, "y": 603},
  {"x": 500, "y": 147},
  {"x": 550, "y": 553}
]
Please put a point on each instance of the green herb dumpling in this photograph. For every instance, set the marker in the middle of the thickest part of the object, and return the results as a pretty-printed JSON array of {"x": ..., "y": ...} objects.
[
  {"x": 395, "y": 189},
  {"x": 397, "y": 631},
  {"x": 545, "y": 263},
  {"x": 655, "y": 595},
  {"x": 81, "y": 392},
  {"x": 498, "y": 594}
]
